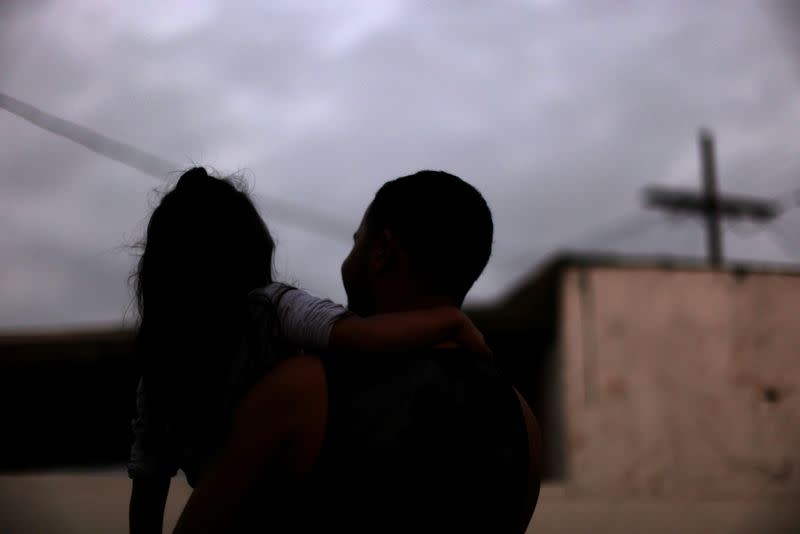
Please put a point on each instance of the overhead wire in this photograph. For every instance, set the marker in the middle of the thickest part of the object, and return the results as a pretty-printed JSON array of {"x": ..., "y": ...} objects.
[
  {"x": 301, "y": 216},
  {"x": 784, "y": 242},
  {"x": 160, "y": 168},
  {"x": 609, "y": 231}
]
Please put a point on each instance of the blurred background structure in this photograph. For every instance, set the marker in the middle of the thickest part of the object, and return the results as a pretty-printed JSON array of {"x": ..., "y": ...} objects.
[
  {"x": 643, "y": 294},
  {"x": 666, "y": 392}
]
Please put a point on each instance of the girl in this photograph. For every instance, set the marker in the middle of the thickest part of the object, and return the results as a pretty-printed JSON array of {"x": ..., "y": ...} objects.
[{"x": 213, "y": 322}]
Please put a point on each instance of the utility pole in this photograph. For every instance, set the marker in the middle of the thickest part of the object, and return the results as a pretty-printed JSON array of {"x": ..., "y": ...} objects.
[
  {"x": 709, "y": 204},
  {"x": 711, "y": 195}
]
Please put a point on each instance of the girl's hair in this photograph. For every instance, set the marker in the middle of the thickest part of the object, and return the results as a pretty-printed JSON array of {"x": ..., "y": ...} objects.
[{"x": 206, "y": 247}]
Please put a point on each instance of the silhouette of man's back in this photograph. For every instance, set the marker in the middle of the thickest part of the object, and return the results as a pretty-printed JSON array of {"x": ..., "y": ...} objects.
[{"x": 427, "y": 442}]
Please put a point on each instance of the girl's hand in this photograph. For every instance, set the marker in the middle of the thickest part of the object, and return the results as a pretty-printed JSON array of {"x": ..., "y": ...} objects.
[{"x": 469, "y": 337}]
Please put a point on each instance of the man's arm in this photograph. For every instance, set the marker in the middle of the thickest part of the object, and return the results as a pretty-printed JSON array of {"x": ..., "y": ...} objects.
[
  {"x": 534, "y": 464},
  {"x": 284, "y": 413}
]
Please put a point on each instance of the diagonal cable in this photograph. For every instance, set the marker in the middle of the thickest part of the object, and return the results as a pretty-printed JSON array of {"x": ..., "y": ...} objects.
[{"x": 294, "y": 214}]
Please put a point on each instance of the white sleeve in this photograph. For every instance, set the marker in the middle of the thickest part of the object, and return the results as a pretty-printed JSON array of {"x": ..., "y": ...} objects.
[{"x": 304, "y": 320}]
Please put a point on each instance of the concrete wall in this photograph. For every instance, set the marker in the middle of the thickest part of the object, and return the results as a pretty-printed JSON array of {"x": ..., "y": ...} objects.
[{"x": 681, "y": 384}]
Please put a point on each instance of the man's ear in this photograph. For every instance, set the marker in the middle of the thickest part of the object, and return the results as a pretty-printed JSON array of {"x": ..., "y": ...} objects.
[{"x": 387, "y": 253}]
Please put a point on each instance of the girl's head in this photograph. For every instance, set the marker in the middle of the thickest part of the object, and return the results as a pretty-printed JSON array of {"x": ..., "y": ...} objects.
[{"x": 205, "y": 249}]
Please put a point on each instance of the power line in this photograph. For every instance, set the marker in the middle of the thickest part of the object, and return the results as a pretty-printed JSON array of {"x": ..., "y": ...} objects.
[
  {"x": 295, "y": 214},
  {"x": 96, "y": 142},
  {"x": 610, "y": 231},
  {"x": 789, "y": 199},
  {"x": 745, "y": 232},
  {"x": 151, "y": 165},
  {"x": 783, "y": 241}
]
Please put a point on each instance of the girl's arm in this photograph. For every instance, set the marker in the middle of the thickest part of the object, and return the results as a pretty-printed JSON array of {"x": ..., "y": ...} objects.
[
  {"x": 316, "y": 323},
  {"x": 146, "y": 511},
  {"x": 150, "y": 474},
  {"x": 401, "y": 331}
]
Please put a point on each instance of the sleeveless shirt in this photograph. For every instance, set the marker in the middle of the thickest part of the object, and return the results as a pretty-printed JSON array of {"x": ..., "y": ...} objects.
[{"x": 430, "y": 441}]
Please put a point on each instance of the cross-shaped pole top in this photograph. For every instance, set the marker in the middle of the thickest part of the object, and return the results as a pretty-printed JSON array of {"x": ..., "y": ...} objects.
[{"x": 709, "y": 203}]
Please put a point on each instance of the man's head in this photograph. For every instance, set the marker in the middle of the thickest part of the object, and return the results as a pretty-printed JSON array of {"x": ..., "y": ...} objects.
[{"x": 424, "y": 239}]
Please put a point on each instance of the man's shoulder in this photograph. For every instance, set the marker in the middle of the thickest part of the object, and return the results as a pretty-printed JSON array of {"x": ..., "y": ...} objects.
[
  {"x": 412, "y": 368},
  {"x": 458, "y": 379}
]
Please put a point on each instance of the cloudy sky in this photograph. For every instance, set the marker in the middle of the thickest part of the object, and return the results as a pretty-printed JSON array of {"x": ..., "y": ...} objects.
[{"x": 558, "y": 111}]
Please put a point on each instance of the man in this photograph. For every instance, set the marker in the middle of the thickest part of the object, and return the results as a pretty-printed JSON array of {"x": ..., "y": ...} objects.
[{"x": 432, "y": 441}]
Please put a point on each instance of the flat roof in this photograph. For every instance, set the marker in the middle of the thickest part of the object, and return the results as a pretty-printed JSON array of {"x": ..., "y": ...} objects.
[
  {"x": 587, "y": 258},
  {"x": 533, "y": 301},
  {"x": 668, "y": 262}
]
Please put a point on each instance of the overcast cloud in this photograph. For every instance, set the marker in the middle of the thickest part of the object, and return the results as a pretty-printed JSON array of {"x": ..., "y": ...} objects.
[{"x": 559, "y": 112}]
